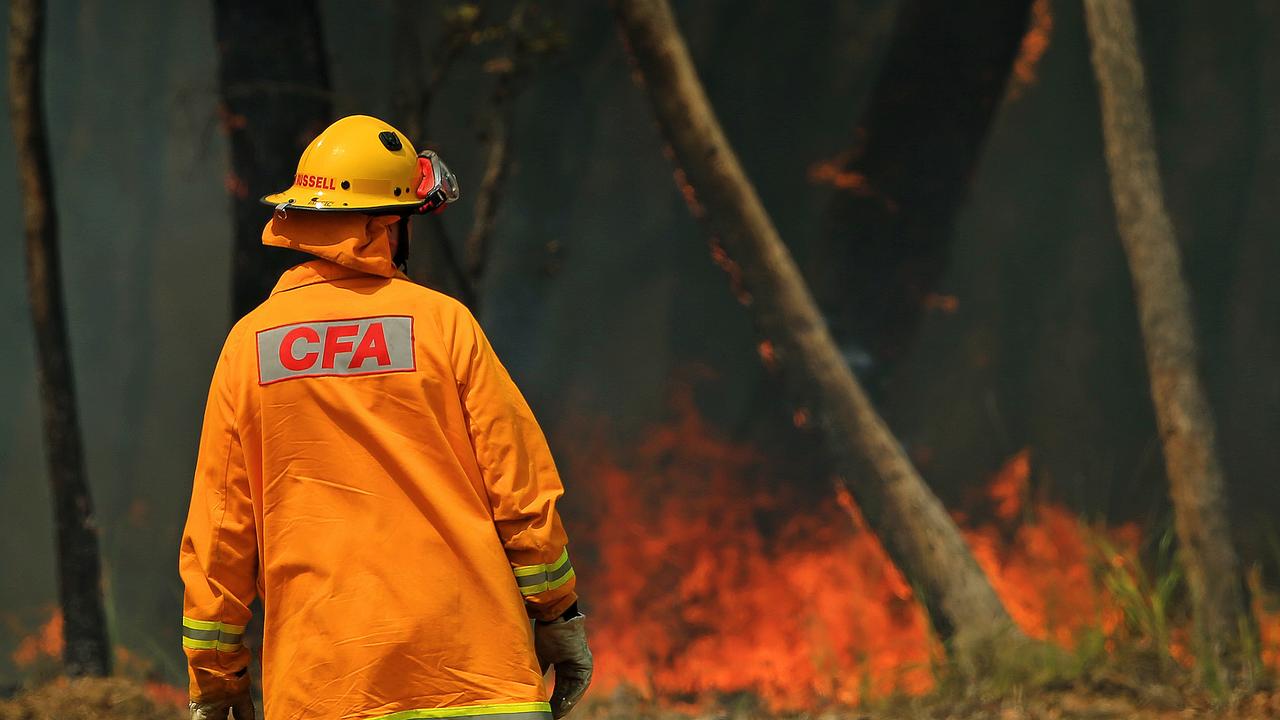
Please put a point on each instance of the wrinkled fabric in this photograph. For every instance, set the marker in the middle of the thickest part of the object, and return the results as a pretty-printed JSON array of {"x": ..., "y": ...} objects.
[{"x": 400, "y": 526}]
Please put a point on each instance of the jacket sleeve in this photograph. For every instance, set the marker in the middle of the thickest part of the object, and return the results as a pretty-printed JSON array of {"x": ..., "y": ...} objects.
[
  {"x": 218, "y": 559},
  {"x": 518, "y": 471}
]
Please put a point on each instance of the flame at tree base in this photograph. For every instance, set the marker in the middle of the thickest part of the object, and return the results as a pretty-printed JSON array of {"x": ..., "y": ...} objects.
[{"x": 702, "y": 585}]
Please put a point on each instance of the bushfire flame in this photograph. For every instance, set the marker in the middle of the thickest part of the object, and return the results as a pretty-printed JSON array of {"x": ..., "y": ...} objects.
[
  {"x": 702, "y": 581},
  {"x": 705, "y": 584},
  {"x": 44, "y": 643}
]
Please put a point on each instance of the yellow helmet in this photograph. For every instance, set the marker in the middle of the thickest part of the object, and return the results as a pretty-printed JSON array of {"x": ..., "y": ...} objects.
[{"x": 362, "y": 164}]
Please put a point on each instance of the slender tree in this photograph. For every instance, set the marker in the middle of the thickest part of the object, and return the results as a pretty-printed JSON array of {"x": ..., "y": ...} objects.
[
  {"x": 273, "y": 76},
  {"x": 912, "y": 523},
  {"x": 908, "y": 171},
  {"x": 86, "y": 650},
  {"x": 1182, "y": 410}
]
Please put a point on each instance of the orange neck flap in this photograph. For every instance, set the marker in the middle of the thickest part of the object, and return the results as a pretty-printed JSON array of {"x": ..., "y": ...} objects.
[{"x": 352, "y": 240}]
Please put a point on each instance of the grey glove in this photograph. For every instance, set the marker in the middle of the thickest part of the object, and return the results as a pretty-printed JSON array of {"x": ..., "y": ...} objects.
[
  {"x": 241, "y": 707},
  {"x": 562, "y": 644}
]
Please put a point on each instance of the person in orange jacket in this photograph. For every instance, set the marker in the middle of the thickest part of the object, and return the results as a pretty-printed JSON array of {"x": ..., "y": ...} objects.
[{"x": 369, "y": 470}]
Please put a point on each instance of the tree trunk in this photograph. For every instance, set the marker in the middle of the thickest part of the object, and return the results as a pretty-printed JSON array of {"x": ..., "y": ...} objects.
[
  {"x": 915, "y": 528},
  {"x": 86, "y": 650},
  {"x": 914, "y": 153},
  {"x": 273, "y": 75},
  {"x": 1182, "y": 408}
]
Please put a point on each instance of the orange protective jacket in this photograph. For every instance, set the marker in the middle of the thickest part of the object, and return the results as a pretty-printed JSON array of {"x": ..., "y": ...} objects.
[{"x": 368, "y": 468}]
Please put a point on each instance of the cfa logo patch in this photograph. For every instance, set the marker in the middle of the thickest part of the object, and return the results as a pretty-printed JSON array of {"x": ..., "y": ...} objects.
[{"x": 363, "y": 346}]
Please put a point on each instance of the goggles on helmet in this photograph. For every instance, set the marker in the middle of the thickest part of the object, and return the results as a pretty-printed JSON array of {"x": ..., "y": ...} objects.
[{"x": 437, "y": 186}]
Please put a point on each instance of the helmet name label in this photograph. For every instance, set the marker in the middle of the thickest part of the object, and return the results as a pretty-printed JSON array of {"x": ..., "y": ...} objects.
[
  {"x": 361, "y": 346},
  {"x": 319, "y": 182}
]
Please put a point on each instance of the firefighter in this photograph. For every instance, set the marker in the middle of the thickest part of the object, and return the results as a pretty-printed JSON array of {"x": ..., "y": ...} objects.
[{"x": 369, "y": 470}]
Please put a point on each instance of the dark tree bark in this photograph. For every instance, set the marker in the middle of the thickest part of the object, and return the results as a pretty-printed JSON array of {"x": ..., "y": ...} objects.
[
  {"x": 86, "y": 650},
  {"x": 1183, "y": 415},
  {"x": 915, "y": 151},
  {"x": 273, "y": 76},
  {"x": 915, "y": 528}
]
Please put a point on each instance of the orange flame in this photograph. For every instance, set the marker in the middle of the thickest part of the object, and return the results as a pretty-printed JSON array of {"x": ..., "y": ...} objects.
[
  {"x": 1044, "y": 574},
  {"x": 1034, "y": 45},
  {"x": 829, "y": 172},
  {"x": 693, "y": 597},
  {"x": 708, "y": 580},
  {"x": 1008, "y": 489},
  {"x": 836, "y": 173},
  {"x": 1266, "y": 608},
  {"x": 46, "y": 642}
]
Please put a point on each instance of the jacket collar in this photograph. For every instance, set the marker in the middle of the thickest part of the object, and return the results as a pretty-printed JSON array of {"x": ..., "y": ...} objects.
[{"x": 319, "y": 271}]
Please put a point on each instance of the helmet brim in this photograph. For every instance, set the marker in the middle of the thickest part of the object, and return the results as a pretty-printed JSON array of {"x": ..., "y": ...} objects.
[{"x": 287, "y": 200}]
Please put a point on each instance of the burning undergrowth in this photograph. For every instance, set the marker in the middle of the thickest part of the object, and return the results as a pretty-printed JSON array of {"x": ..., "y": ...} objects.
[
  {"x": 138, "y": 683},
  {"x": 711, "y": 579},
  {"x": 708, "y": 580}
]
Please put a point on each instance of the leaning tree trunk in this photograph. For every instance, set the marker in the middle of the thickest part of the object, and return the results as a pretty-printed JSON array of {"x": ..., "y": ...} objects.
[
  {"x": 915, "y": 149},
  {"x": 915, "y": 528},
  {"x": 274, "y": 79},
  {"x": 1164, "y": 313},
  {"x": 86, "y": 650}
]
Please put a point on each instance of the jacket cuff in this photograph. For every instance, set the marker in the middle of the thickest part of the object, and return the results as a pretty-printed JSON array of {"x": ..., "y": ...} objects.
[
  {"x": 208, "y": 685},
  {"x": 547, "y": 613}
]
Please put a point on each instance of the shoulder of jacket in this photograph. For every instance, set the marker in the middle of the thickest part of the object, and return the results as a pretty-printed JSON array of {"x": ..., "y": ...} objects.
[
  {"x": 243, "y": 328},
  {"x": 422, "y": 293},
  {"x": 445, "y": 307}
]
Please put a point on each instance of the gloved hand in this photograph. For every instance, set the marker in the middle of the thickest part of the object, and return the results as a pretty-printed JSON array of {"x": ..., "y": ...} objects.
[
  {"x": 240, "y": 705},
  {"x": 562, "y": 644}
]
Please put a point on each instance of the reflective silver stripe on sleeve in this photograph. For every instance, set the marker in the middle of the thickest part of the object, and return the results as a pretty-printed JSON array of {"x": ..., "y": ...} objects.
[
  {"x": 534, "y": 579},
  {"x": 545, "y": 576},
  {"x": 221, "y": 636},
  {"x": 211, "y": 635}
]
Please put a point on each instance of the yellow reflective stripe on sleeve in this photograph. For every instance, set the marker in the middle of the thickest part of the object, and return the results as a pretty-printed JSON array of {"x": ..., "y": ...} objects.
[
  {"x": 527, "y": 570},
  {"x": 210, "y": 645},
  {"x": 564, "y": 560},
  {"x": 506, "y": 711},
  {"x": 534, "y": 579},
  {"x": 211, "y": 635},
  {"x": 548, "y": 585}
]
